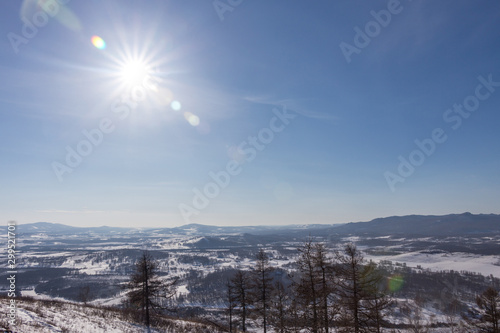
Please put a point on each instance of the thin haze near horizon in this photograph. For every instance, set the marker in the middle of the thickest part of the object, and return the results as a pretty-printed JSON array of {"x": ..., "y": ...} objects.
[{"x": 161, "y": 113}]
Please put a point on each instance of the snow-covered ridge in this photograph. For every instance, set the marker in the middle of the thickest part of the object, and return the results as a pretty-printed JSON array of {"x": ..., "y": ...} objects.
[{"x": 52, "y": 316}]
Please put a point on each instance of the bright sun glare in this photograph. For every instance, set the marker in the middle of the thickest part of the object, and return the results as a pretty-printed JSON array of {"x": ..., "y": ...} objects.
[{"x": 134, "y": 72}]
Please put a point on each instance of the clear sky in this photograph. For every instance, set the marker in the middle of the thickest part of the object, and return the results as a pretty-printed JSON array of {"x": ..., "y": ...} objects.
[{"x": 240, "y": 112}]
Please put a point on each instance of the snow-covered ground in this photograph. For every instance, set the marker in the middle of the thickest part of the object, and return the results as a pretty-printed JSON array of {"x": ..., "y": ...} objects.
[
  {"x": 41, "y": 317},
  {"x": 456, "y": 261}
]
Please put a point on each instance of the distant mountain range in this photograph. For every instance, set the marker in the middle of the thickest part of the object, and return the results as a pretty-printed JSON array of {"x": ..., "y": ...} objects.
[
  {"x": 63, "y": 229},
  {"x": 425, "y": 225},
  {"x": 428, "y": 225},
  {"x": 187, "y": 229}
]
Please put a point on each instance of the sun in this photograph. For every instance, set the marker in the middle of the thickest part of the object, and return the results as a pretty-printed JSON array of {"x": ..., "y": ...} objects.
[{"x": 134, "y": 72}]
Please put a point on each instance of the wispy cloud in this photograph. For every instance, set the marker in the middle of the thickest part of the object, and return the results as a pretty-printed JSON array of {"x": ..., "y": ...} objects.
[
  {"x": 296, "y": 105},
  {"x": 82, "y": 211}
]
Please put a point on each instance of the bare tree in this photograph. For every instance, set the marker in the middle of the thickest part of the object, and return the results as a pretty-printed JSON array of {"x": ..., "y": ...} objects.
[
  {"x": 308, "y": 286},
  {"x": 452, "y": 314},
  {"x": 416, "y": 321},
  {"x": 296, "y": 321},
  {"x": 84, "y": 294},
  {"x": 240, "y": 289},
  {"x": 231, "y": 304},
  {"x": 487, "y": 318},
  {"x": 262, "y": 286},
  {"x": 376, "y": 311},
  {"x": 146, "y": 291},
  {"x": 377, "y": 302},
  {"x": 349, "y": 271},
  {"x": 454, "y": 324},
  {"x": 358, "y": 290},
  {"x": 324, "y": 269},
  {"x": 279, "y": 305}
]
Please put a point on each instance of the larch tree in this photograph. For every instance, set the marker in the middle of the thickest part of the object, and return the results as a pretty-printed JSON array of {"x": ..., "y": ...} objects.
[
  {"x": 357, "y": 288},
  {"x": 231, "y": 304},
  {"x": 84, "y": 295},
  {"x": 240, "y": 289},
  {"x": 377, "y": 302},
  {"x": 307, "y": 288},
  {"x": 487, "y": 318},
  {"x": 324, "y": 270},
  {"x": 146, "y": 291},
  {"x": 279, "y": 307},
  {"x": 262, "y": 283}
]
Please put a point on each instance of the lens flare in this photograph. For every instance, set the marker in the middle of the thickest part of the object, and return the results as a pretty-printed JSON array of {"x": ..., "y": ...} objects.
[
  {"x": 98, "y": 42},
  {"x": 192, "y": 119},
  {"x": 395, "y": 283},
  {"x": 175, "y": 105}
]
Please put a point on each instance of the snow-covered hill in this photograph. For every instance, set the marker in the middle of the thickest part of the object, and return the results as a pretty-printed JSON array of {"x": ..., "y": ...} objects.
[{"x": 42, "y": 316}]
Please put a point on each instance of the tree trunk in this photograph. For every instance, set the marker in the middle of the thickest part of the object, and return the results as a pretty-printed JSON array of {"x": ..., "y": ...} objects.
[{"x": 146, "y": 281}]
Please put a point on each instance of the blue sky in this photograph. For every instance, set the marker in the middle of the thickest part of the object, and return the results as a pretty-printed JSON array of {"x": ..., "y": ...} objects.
[{"x": 182, "y": 87}]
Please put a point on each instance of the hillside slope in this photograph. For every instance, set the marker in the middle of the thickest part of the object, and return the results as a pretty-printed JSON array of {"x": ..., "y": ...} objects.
[{"x": 54, "y": 316}]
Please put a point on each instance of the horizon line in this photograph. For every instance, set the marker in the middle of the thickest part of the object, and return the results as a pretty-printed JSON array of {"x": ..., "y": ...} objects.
[{"x": 250, "y": 225}]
